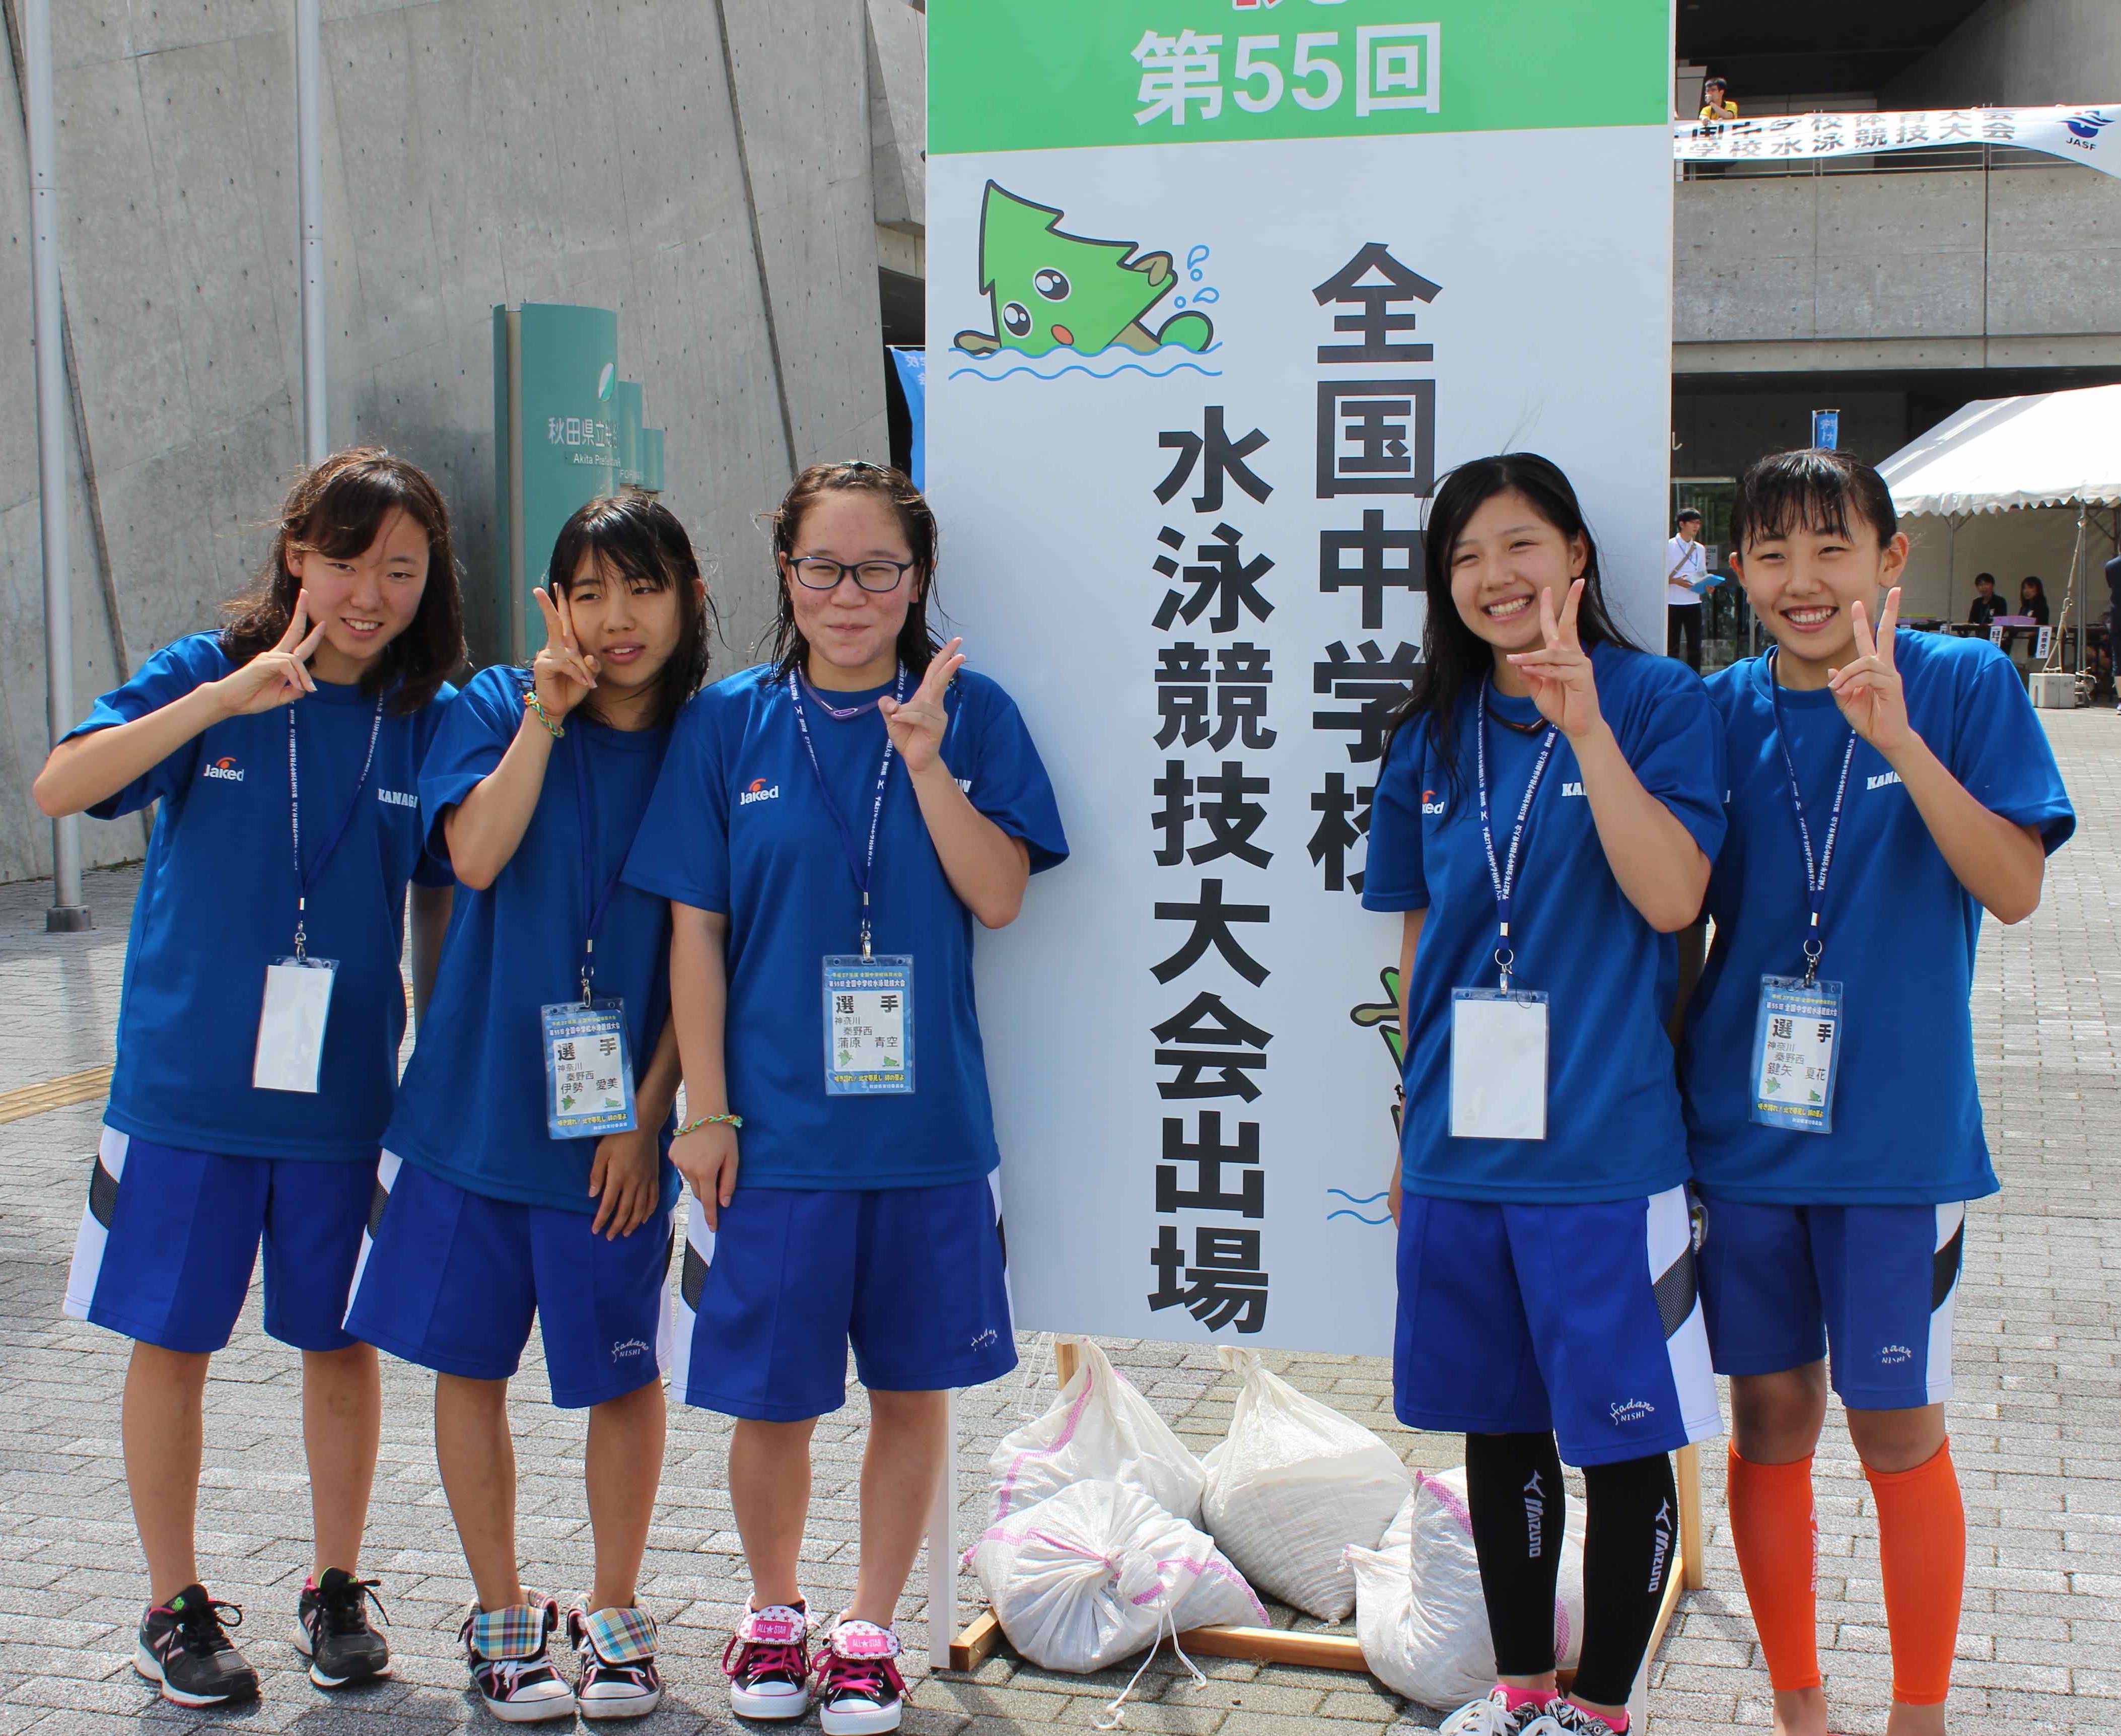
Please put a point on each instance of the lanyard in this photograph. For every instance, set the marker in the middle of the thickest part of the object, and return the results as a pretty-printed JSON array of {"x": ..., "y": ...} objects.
[
  {"x": 860, "y": 867},
  {"x": 596, "y": 903},
  {"x": 1814, "y": 874},
  {"x": 1504, "y": 878},
  {"x": 304, "y": 880}
]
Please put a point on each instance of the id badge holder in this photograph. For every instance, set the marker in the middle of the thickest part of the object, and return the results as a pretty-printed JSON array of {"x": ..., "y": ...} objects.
[
  {"x": 589, "y": 1075},
  {"x": 291, "y": 1024},
  {"x": 1497, "y": 1064},
  {"x": 869, "y": 1025},
  {"x": 1797, "y": 1044}
]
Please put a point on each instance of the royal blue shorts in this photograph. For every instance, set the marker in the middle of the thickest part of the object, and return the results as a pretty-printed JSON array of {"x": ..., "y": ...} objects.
[
  {"x": 1583, "y": 1319},
  {"x": 1878, "y": 1283},
  {"x": 170, "y": 1238},
  {"x": 916, "y": 1277},
  {"x": 450, "y": 1280}
]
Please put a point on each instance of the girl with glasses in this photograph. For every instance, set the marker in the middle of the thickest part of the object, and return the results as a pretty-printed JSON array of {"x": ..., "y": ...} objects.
[{"x": 828, "y": 827}]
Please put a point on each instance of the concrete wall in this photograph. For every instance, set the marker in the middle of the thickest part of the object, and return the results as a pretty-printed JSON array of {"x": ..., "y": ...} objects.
[
  {"x": 2019, "y": 53},
  {"x": 2020, "y": 267},
  {"x": 703, "y": 166}
]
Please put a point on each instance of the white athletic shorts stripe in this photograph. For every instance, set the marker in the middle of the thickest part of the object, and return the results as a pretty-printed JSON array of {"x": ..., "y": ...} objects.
[
  {"x": 1669, "y": 1223},
  {"x": 90, "y": 1241},
  {"x": 1951, "y": 1225},
  {"x": 1001, "y": 1230},
  {"x": 692, "y": 1263},
  {"x": 386, "y": 1178}
]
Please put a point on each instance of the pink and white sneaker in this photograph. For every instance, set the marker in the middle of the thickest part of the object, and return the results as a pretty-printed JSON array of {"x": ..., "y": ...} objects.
[
  {"x": 860, "y": 1691},
  {"x": 768, "y": 1661}
]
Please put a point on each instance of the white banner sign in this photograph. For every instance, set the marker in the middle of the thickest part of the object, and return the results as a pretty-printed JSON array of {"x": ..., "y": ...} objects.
[
  {"x": 1188, "y": 395},
  {"x": 2083, "y": 136}
]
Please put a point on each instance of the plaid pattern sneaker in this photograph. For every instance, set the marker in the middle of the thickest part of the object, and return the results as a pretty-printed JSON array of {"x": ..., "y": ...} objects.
[
  {"x": 182, "y": 1647},
  {"x": 617, "y": 1651},
  {"x": 332, "y": 1630},
  {"x": 768, "y": 1661},
  {"x": 860, "y": 1691},
  {"x": 510, "y": 1664}
]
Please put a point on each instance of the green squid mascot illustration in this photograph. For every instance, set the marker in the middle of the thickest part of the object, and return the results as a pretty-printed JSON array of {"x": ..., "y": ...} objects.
[{"x": 1051, "y": 291}]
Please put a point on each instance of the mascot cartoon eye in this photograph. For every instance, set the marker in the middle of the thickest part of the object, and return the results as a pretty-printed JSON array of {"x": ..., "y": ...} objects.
[
  {"x": 1016, "y": 319},
  {"x": 1053, "y": 285}
]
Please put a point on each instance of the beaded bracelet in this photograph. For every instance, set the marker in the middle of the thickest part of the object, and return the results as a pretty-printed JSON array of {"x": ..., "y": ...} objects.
[
  {"x": 708, "y": 1121},
  {"x": 531, "y": 700}
]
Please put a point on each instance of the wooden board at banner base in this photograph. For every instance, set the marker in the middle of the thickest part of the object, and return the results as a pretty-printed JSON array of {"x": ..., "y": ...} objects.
[{"x": 982, "y": 1637}]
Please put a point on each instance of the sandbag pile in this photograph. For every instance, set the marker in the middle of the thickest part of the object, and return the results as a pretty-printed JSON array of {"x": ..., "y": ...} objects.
[
  {"x": 1293, "y": 1487},
  {"x": 1418, "y": 1613}
]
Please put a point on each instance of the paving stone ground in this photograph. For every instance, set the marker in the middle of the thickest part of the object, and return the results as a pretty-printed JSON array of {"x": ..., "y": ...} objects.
[{"x": 2035, "y": 1429}]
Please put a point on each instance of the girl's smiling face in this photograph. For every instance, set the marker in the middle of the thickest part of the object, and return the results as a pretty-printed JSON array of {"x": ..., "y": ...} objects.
[
  {"x": 363, "y": 600},
  {"x": 849, "y": 629},
  {"x": 630, "y": 624},
  {"x": 1506, "y": 555},
  {"x": 1802, "y": 583}
]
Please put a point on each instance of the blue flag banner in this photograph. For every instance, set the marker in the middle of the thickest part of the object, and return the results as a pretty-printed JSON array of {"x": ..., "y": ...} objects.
[{"x": 913, "y": 365}]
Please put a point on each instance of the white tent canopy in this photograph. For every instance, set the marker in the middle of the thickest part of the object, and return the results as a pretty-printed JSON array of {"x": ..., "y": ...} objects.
[{"x": 2051, "y": 449}]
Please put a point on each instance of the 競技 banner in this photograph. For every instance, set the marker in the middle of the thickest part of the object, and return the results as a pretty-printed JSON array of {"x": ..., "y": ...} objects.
[{"x": 1217, "y": 289}]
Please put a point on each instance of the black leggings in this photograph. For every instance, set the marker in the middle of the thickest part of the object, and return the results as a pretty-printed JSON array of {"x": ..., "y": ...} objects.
[{"x": 1630, "y": 1534}]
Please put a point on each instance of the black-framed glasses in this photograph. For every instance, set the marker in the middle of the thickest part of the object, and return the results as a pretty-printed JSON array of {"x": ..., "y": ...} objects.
[{"x": 813, "y": 572}]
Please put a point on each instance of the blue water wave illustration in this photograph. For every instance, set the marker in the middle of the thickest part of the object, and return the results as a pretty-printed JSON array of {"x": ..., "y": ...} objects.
[
  {"x": 1344, "y": 1212},
  {"x": 1007, "y": 364},
  {"x": 1354, "y": 1200},
  {"x": 1367, "y": 1199},
  {"x": 1078, "y": 367}
]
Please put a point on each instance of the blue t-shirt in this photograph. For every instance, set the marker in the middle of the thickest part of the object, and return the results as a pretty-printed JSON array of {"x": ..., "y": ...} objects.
[
  {"x": 472, "y": 1107},
  {"x": 1613, "y": 1126},
  {"x": 738, "y": 825},
  {"x": 217, "y": 906},
  {"x": 1899, "y": 930}
]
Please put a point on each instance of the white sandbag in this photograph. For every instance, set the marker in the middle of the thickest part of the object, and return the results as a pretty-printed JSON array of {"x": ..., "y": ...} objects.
[
  {"x": 1418, "y": 1613},
  {"x": 1095, "y": 1572},
  {"x": 1294, "y": 1486},
  {"x": 1098, "y": 1428}
]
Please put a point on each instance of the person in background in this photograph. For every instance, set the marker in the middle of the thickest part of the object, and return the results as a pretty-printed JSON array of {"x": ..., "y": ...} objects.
[
  {"x": 1686, "y": 576},
  {"x": 2114, "y": 621},
  {"x": 1985, "y": 605},
  {"x": 2033, "y": 600},
  {"x": 1716, "y": 104}
]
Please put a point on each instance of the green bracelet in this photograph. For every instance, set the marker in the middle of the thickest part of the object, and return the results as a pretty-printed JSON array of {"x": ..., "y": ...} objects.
[
  {"x": 556, "y": 730},
  {"x": 708, "y": 1121}
]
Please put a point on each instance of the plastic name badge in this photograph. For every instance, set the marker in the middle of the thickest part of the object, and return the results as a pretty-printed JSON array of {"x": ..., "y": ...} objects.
[
  {"x": 1796, "y": 1047},
  {"x": 291, "y": 1026},
  {"x": 589, "y": 1076},
  {"x": 869, "y": 1025},
  {"x": 1497, "y": 1064}
]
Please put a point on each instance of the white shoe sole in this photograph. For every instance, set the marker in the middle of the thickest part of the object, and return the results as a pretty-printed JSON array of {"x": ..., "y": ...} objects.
[
  {"x": 619, "y": 1706},
  {"x": 300, "y": 1640},
  {"x": 768, "y": 1708},
  {"x": 873, "y": 1723},
  {"x": 531, "y": 1711},
  {"x": 146, "y": 1663}
]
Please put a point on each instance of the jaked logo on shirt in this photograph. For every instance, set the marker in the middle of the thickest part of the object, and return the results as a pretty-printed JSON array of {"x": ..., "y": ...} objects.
[
  {"x": 224, "y": 768},
  {"x": 1430, "y": 804},
  {"x": 760, "y": 790}
]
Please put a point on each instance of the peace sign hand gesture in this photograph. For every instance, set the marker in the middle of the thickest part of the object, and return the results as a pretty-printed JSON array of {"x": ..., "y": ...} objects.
[
  {"x": 917, "y": 726},
  {"x": 563, "y": 675},
  {"x": 277, "y": 677},
  {"x": 1562, "y": 685},
  {"x": 1868, "y": 689}
]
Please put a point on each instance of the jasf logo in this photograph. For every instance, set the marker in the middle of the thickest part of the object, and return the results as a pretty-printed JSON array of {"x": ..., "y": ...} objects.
[
  {"x": 2084, "y": 128},
  {"x": 758, "y": 791},
  {"x": 224, "y": 768},
  {"x": 1429, "y": 804}
]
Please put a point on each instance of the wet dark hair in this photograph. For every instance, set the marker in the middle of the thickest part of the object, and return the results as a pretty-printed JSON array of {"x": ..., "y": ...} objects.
[
  {"x": 1809, "y": 489},
  {"x": 337, "y": 509},
  {"x": 1453, "y": 656},
  {"x": 917, "y": 643},
  {"x": 635, "y": 536}
]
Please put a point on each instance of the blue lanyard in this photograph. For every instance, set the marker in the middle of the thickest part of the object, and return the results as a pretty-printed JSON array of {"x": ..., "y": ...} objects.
[
  {"x": 862, "y": 868},
  {"x": 596, "y": 903},
  {"x": 305, "y": 879},
  {"x": 1504, "y": 877},
  {"x": 1814, "y": 873}
]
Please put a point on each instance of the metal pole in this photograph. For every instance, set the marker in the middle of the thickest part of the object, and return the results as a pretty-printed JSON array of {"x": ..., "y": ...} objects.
[
  {"x": 309, "y": 148},
  {"x": 67, "y": 912}
]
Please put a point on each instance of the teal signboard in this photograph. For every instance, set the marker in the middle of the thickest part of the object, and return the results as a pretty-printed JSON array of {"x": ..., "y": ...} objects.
[{"x": 567, "y": 431}]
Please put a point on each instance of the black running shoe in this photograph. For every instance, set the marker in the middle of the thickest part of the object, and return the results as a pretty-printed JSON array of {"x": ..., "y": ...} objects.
[
  {"x": 332, "y": 1630},
  {"x": 182, "y": 1645}
]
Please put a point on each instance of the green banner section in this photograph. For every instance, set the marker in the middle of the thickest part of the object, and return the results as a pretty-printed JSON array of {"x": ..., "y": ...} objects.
[{"x": 1030, "y": 75}]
